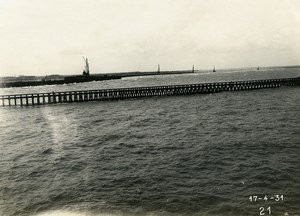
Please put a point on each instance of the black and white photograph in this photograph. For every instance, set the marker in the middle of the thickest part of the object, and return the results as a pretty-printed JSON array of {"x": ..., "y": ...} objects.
[{"x": 149, "y": 107}]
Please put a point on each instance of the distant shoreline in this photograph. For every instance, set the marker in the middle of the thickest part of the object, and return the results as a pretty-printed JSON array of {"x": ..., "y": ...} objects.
[{"x": 22, "y": 81}]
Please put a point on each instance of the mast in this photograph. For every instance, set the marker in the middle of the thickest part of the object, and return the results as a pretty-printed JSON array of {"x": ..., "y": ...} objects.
[
  {"x": 193, "y": 70},
  {"x": 87, "y": 66},
  {"x": 158, "y": 69}
]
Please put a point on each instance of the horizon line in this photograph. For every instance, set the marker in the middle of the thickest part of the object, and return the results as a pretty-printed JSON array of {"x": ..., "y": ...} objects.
[{"x": 119, "y": 72}]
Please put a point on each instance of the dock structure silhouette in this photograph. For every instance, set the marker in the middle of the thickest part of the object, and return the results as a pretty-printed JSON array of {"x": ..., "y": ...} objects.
[{"x": 136, "y": 92}]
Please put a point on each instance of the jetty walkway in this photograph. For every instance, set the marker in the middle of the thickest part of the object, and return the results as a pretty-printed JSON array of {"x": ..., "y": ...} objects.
[{"x": 135, "y": 92}]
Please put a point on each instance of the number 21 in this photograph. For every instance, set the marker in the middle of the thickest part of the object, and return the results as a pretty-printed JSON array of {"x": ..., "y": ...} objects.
[{"x": 262, "y": 211}]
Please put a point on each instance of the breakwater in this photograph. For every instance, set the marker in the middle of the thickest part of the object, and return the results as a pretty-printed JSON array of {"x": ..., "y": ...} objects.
[
  {"x": 123, "y": 93},
  {"x": 60, "y": 80}
]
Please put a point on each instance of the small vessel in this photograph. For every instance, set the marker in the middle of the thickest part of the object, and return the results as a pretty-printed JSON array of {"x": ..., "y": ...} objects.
[
  {"x": 257, "y": 68},
  {"x": 193, "y": 69},
  {"x": 214, "y": 70},
  {"x": 158, "y": 69}
]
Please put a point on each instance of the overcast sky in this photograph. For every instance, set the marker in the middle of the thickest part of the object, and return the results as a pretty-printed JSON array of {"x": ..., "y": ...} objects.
[{"x": 39, "y": 37}]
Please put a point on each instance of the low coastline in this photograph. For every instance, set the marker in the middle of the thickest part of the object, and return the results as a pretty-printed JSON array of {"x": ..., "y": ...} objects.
[{"x": 7, "y": 82}]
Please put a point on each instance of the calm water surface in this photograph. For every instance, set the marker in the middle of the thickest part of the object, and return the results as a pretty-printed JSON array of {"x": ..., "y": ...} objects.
[{"x": 180, "y": 155}]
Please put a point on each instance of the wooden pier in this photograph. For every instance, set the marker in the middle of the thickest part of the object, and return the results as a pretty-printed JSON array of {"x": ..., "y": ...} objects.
[{"x": 123, "y": 93}]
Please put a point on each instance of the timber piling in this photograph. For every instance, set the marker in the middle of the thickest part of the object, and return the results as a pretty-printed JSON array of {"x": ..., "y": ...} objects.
[{"x": 123, "y": 93}]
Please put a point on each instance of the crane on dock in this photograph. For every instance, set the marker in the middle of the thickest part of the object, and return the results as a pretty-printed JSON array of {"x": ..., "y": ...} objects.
[{"x": 86, "y": 71}]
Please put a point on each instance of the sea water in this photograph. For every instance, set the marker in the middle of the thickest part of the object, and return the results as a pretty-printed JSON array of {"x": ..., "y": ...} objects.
[{"x": 230, "y": 153}]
